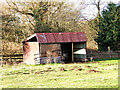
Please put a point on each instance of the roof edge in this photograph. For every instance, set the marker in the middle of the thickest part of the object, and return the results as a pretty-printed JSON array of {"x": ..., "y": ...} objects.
[
  {"x": 31, "y": 37},
  {"x": 42, "y": 39}
]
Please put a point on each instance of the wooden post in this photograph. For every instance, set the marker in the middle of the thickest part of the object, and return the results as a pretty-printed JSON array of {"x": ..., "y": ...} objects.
[
  {"x": 1, "y": 59},
  {"x": 39, "y": 52},
  {"x": 72, "y": 53},
  {"x": 109, "y": 52}
]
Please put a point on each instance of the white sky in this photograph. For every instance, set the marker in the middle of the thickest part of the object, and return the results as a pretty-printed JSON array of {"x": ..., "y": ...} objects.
[{"x": 91, "y": 11}]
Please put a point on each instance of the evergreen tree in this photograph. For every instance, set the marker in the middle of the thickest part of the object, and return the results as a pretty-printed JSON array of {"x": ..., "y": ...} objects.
[{"x": 109, "y": 34}]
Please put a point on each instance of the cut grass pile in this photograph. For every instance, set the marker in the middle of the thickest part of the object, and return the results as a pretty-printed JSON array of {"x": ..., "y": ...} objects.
[{"x": 99, "y": 74}]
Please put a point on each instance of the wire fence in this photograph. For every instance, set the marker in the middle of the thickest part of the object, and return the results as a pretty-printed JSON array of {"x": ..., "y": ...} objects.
[
  {"x": 103, "y": 54},
  {"x": 94, "y": 54}
]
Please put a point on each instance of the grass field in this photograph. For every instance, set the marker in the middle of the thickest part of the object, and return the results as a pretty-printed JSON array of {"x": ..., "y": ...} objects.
[{"x": 99, "y": 74}]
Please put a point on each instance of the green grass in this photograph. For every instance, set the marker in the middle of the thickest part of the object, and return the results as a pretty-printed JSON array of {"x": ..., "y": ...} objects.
[{"x": 100, "y": 74}]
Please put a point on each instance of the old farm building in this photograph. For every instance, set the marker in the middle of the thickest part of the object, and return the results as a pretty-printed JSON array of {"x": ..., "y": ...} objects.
[{"x": 65, "y": 47}]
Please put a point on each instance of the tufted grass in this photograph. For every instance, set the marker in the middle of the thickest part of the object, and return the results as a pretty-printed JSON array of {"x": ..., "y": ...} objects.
[{"x": 99, "y": 74}]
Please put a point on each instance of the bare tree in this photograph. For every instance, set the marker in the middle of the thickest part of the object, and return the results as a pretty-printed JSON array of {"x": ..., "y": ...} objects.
[
  {"x": 48, "y": 15},
  {"x": 98, "y": 5}
]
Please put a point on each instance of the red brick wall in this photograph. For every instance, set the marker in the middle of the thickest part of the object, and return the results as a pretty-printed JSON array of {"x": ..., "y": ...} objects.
[{"x": 30, "y": 48}]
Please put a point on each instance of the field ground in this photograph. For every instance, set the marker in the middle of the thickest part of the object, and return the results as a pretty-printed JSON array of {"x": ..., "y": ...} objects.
[{"x": 99, "y": 74}]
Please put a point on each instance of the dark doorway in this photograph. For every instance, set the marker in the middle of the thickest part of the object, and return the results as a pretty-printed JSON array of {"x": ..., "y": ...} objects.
[{"x": 66, "y": 49}]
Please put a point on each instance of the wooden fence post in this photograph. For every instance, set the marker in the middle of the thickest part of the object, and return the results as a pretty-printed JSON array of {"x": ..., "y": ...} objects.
[
  {"x": 72, "y": 53},
  {"x": 1, "y": 59}
]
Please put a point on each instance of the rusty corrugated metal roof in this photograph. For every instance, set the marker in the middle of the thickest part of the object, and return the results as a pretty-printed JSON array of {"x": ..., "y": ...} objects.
[{"x": 60, "y": 37}]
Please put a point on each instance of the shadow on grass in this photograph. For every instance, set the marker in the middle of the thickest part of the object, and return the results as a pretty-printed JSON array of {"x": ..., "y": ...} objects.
[
  {"x": 95, "y": 60},
  {"x": 47, "y": 64},
  {"x": 106, "y": 59}
]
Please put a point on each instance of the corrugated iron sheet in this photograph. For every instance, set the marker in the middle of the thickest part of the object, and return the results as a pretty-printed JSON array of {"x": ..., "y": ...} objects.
[
  {"x": 61, "y": 37},
  {"x": 58, "y": 37},
  {"x": 82, "y": 37},
  {"x": 66, "y": 37},
  {"x": 74, "y": 37},
  {"x": 41, "y": 37},
  {"x": 50, "y": 38}
]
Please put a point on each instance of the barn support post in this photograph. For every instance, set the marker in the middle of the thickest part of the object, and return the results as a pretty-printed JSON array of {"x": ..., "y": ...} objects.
[
  {"x": 72, "y": 53},
  {"x": 39, "y": 52}
]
